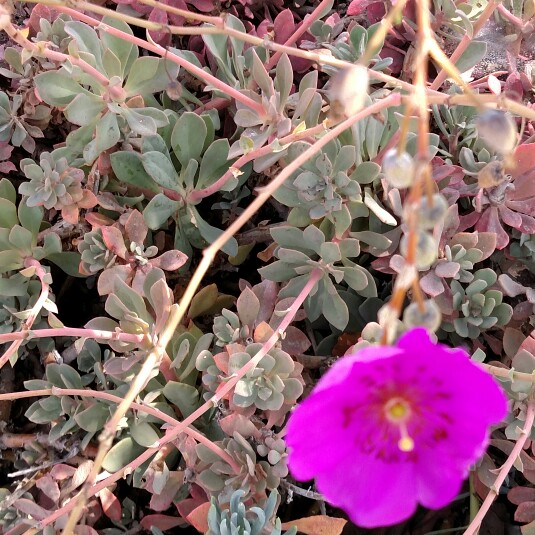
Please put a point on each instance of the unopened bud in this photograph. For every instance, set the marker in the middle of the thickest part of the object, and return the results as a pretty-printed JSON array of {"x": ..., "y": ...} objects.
[
  {"x": 430, "y": 214},
  {"x": 399, "y": 169},
  {"x": 498, "y": 129},
  {"x": 491, "y": 175},
  {"x": 426, "y": 249},
  {"x": 430, "y": 317},
  {"x": 347, "y": 91}
]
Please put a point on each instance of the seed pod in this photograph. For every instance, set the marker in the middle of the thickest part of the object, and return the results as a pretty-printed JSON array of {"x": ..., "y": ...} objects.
[
  {"x": 426, "y": 249},
  {"x": 399, "y": 169},
  {"x": 347, "y": 91},
  {"x": 498, "y": 129},
  {"x": 491, "y": 175},
  {"x": 430, "y": 317},
  {"x": 430, "y": 214}
]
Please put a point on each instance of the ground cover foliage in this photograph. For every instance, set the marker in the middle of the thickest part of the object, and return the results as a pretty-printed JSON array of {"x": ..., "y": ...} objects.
[{"x": 205, "y": 205}]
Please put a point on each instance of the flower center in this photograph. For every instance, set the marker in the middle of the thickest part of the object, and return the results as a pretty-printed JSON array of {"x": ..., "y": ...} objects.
[{"x": 398, "y": 412}]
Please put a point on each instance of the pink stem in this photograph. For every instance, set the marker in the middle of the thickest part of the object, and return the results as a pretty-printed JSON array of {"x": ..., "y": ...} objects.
[
  {"x": 196, "y": 195},
  {"x": 56, "y": 391},
  {"x": 74, "y": 332},
  {"x": 473, "y": 528},
  {"x": 172, "y": 434},
  {"x": 161, "y": 51},
  {"x": 18, "y": 37},
  {"x": 27, "y": 325},
  {"x": 465, "y": 41},
  {"x": 506, "y": 14},
  {"x": 303, "y": 27}
]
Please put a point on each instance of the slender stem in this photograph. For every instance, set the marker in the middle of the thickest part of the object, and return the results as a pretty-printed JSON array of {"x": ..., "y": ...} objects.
[
  {"x": 173, "y": 433},
  {"x": 465, "y": 41},
  {"x": 75, "y": 333},
  {"x": 303, "y": 27},
  {"x": 319, "y": 58},
  {"x": 34, "y": 311},
  {"x": 265, "y": 193},
  {"x": 473, "y": 528},
  {"x": 53, "y": 55},
  {"x": 161, "y": 51},
  {"x": 196, "y": 195},
  {"x": 147, "y": 409},
  {"x": 188, "y": 15}
]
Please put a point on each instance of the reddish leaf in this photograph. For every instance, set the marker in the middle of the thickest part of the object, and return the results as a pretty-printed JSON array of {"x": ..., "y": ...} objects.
[
  {"x": 525, "y": 512},
  {"x": 198, "y": 497},
  {"x": 238, "y": 423},
  {"x": 318, "y": 525},
  {"x": 110, "y": 504},
  {"x": 295, "y": 342},
  {"x": 136, "y": 228},
  {"x": 49, "y": 487},
  {"x": 97, "y": 220},
  {"x": 524, "y": 160},
  {"x": 518, "y": 495},
  {"x": 31, "y": 508},
  {"x": 198, "y": 518},
  {"x": 62, "y": 471},
  {"x": 114, "y": 241},
  {"x": 170, "y": 260}
]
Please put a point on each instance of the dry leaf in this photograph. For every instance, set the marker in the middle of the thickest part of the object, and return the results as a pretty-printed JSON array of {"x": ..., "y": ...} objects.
[{"x": 318, "y": 525}]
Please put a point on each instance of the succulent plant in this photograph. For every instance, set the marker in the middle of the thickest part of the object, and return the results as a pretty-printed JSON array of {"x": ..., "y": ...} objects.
[
  {"x": 477, "y": 307},
  {"x": 274, "y": 450},
  {"x": 258, "y": 316},
  {"x": 219, "y": 479},
  {"x": 510, "y": 202},
  {"x": 301, "y": 251},
  {"x": 238, "y": 520},
  {"x": 95, "y": 256},
  {"x": 457, "y": 261},
  {"x": 19, "y": 127},
  {"x": 119, "y": 250},
  {"x": 273, "y": 385},
  {"x": 106, "y": 114},
  {"x": 524, "y": 249},
  {"x": 55, "y": 184},
  {"x": 322, "y": 188},
  {"x": 10, "y": 515}
]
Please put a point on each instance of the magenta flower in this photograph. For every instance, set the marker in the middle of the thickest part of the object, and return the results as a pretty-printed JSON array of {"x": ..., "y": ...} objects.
[{"x": 392, "y": 427}]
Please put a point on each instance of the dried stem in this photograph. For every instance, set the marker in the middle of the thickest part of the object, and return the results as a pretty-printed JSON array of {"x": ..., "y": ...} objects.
[
  {"x": 473, "y": 528},
  {"x": 75, "y": 333},
  {"x": 173, "y": 433},
  {"x": 147, "y": 409}
]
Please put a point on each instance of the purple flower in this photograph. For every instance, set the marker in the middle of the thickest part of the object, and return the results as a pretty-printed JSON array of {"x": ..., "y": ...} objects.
[{"x": 392, "y": 427}]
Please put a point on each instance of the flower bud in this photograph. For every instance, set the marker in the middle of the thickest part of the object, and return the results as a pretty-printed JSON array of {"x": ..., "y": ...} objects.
[
  {"x": 491, "y": 175},
  {"x": 426, "y": 249},
  {"x": 498, "y": 129},
  {"x": 430, "y": 214},
  {"x": 399, "y": 169},
  {"x": 430, "y": 317},
  {"x": 348, "y": 88}
]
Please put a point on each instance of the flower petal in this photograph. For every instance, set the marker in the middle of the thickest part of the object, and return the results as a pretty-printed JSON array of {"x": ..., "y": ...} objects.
[{"x": 372, "y": 492}]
